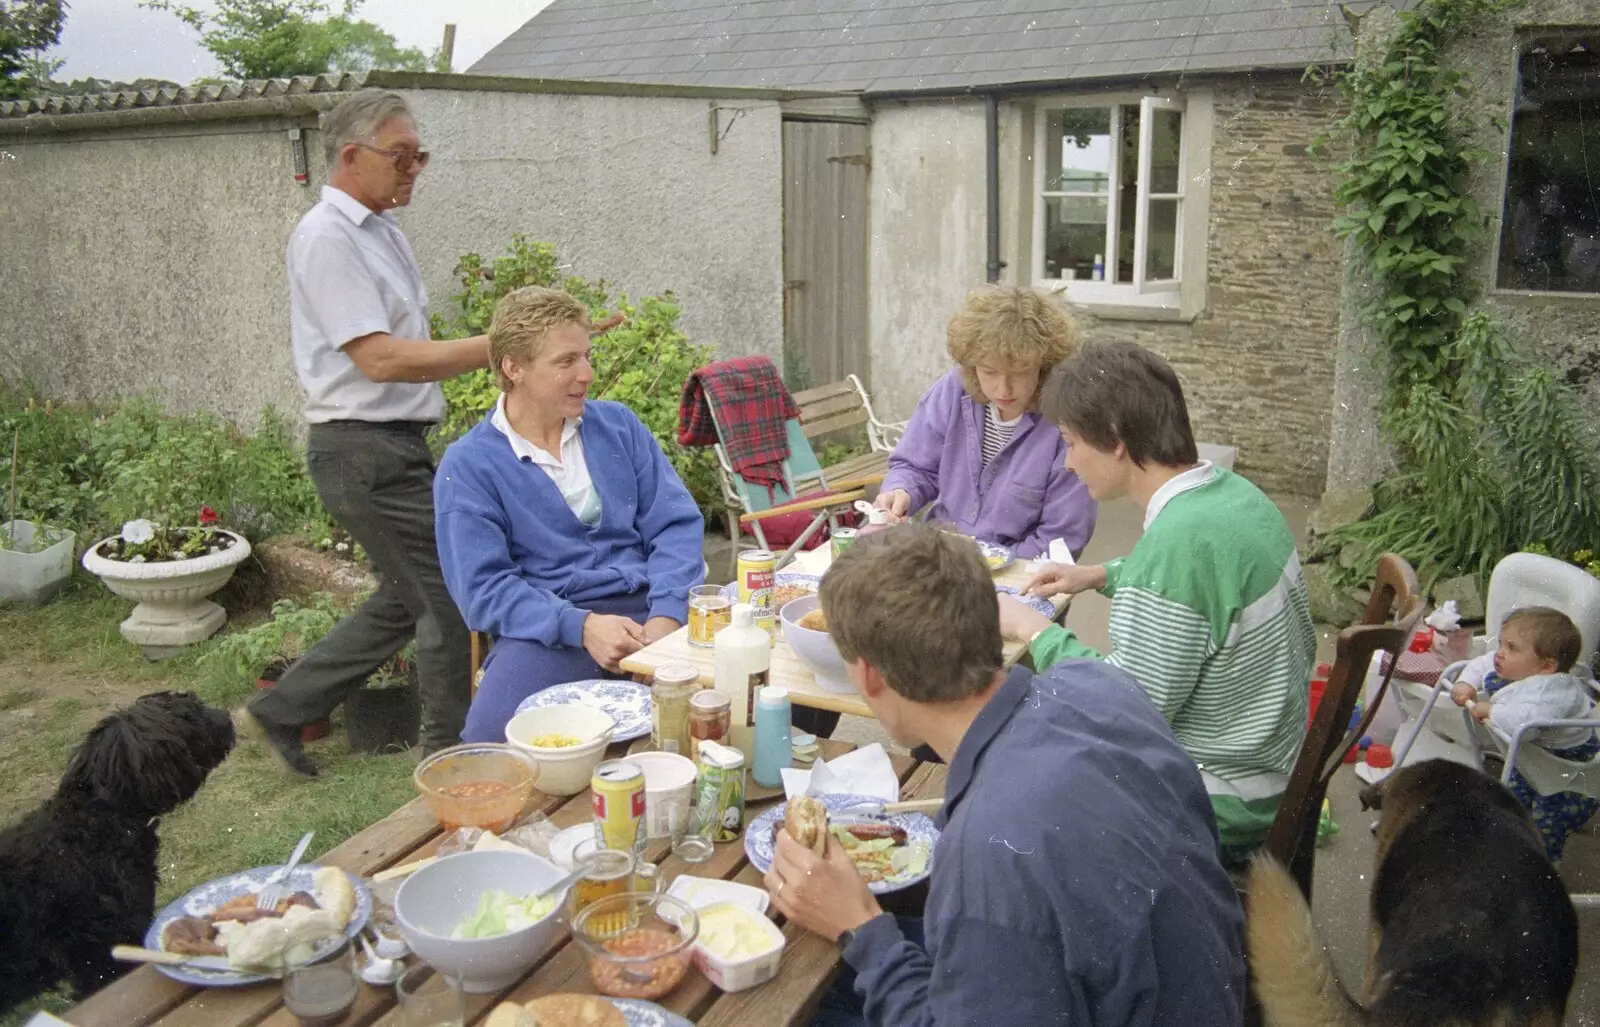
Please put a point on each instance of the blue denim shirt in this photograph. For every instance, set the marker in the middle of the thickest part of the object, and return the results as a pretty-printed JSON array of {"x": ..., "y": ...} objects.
[{"x": 1076, "y": 880}]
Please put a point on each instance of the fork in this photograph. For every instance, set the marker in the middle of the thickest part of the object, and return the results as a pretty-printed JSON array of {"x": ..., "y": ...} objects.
[{"x": 273, "y": 890}]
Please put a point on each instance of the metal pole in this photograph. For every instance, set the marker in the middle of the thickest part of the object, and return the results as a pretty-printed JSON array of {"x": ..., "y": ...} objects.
[{"x": 991, "y": 124}]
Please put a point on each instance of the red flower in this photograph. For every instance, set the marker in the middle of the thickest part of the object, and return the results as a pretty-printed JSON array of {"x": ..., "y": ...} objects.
[{"x": 208, "y": 515}]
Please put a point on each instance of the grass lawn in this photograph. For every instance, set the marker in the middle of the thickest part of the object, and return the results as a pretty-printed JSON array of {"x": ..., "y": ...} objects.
[{"x": 64, "y": 666}]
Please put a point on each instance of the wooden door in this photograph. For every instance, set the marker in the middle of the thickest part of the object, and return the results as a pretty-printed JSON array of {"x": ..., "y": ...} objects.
[{"x": 825, "y": 239}]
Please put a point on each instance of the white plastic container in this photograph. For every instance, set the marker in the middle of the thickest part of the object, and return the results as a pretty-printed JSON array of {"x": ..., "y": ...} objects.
[
  {"x": 668, "y": 791},
  {"x": 33, "y": 578},
  {"x": 742, "y": 657},
  {"x": 739, "y": 975}
]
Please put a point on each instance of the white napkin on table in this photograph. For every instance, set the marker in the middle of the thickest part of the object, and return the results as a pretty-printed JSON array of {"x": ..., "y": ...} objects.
[
  {"x": 866, "y": 771},
  {"x": 1057, "y": 553}
]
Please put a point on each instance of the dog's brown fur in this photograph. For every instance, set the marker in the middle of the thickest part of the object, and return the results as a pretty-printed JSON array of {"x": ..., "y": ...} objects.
[{"x": 1470, "y": 924}]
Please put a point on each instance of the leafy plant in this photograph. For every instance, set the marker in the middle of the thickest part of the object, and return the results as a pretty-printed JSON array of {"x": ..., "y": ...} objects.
[
  {"x": 396, "y": 673},
  {"x": 643, "y": 363},
  {"x": 293, "y": 629},
  {"x": 43, "y": 538},
  {"x": 27, "y": 29},
  {"x": 1492, "y": 448},
  {"x": 143, "y": 541}
]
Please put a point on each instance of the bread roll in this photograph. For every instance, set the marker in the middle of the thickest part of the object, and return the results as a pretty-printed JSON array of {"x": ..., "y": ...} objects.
[
  {"x": 577, "y": 1011},
  {"x": 807, "y": 823},
  {"x": 333, "y": 892}
]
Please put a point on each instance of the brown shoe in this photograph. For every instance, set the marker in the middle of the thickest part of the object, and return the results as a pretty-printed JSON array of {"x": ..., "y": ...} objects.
[{"x": 282, "y": 742}]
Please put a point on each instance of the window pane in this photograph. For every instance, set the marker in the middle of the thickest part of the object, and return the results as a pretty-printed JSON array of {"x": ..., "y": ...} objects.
[
  {"x": 1128, "y": 192},
  {"x": 1161, "y": 251},
  {"x": 1550, "y": 234},
  {"x": 1078, "y": 150},
  {"x": 1074, "y": 234},
  {"x": 1166, "y": 148}
]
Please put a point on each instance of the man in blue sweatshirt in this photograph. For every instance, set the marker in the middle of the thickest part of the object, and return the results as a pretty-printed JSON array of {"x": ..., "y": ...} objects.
[{"x": 1076, "y": 880}]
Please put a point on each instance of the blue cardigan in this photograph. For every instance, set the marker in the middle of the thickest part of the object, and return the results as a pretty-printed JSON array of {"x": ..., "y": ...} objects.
[{"x": 520, "y": 564}]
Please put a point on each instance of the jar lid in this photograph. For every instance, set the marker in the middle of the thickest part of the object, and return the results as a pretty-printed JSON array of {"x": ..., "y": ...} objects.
[
  {"x": 710, "y": 699},
  {"x": 677, "y": 674}
]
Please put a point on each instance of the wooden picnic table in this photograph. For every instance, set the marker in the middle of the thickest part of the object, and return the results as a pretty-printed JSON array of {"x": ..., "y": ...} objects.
[
  {"x": 146, "y": 996},
  {"x": 787, "y": 670}
]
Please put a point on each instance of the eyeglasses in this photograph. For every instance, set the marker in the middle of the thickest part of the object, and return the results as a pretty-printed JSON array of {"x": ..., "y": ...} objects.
[{"x": 403, "y": 159}]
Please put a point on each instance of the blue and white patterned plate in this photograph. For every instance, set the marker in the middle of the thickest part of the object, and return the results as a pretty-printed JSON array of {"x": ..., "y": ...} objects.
[
  {"x": 730, "y": 591},
  {"x": 201, "y": 900},
  {"x": 640, "y": 1013},
  {"x": 759, "y": 842},
  {"x": 998, "y": 557},
  {"x": 626, "y": 703},
  {"x": 1035, "y": 603}
]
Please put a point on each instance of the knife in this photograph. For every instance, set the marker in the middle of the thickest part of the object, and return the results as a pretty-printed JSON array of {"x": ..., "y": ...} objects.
[{"x": 134, "y": 954}]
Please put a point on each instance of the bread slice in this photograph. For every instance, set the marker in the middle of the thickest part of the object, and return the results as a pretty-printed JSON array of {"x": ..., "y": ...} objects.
[{"x": 576, "y": 1011}]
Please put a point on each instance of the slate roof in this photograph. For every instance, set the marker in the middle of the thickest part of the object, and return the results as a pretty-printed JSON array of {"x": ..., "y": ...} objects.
[
  {"x": 879, "y": 46},
  {"x": 177, "y": 96}
]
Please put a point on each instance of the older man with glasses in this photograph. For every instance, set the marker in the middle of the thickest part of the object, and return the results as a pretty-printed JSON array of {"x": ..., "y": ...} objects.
[{"x": 358, "y": 320}]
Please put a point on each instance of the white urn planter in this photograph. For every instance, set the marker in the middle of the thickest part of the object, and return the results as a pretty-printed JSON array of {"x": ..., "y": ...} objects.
[{"x": 174, "y": 608}]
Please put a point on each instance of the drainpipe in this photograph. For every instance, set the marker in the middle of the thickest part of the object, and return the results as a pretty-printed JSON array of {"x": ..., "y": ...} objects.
[{"x": 991, "y": 127}]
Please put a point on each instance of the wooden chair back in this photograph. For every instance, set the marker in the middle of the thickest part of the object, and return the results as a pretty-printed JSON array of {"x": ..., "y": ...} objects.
[{"x": 1390, "y": 618}]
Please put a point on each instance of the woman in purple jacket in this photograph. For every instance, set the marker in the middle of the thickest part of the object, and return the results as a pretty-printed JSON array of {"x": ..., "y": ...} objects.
[{"x": 976, "y": 449}]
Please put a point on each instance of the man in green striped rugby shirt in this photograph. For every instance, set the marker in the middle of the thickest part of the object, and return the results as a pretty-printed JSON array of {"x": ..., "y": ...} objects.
[{"x": 1208, "y": 612}]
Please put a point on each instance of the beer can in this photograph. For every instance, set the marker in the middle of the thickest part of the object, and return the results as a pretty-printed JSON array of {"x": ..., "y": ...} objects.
[
  {"x": 842, "y": 539},
  {"x": 719, "y": 794},
  {"x": 619, "y": 821},
  {"x": 757, "y": 579}
]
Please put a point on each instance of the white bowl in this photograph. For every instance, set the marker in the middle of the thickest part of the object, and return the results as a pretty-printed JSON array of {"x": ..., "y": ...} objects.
[
  {"x": 563, "y": 771},
  {"x": 434, "y": 900},
  {"x": 815, "y": 648},
  {"x": 668, "y": 790}
]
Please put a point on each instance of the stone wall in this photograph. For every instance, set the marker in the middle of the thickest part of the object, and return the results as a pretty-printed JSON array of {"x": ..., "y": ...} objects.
[
  {"x": 1561, "y": 329},
  {"x": 150, "y": 259}
]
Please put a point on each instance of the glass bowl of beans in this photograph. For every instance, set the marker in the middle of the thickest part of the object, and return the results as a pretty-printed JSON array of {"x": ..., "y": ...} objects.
[
  {"x": 483, "y": 785},
  {"x": 638, "y": 944}
]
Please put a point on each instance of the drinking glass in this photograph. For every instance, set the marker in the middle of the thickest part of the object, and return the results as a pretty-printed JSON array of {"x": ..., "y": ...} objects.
[
  {"x": 709, "y": 612},
  {"x": 320, "y": 989},
  {"x": 428, "y": 999}
]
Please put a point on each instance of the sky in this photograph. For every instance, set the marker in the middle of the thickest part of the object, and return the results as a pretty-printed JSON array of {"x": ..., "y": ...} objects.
[{"x": 118, "y": 40}]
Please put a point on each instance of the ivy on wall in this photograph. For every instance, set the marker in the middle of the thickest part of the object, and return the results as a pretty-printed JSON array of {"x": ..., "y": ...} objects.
[{"x": 1493, "y": 451}]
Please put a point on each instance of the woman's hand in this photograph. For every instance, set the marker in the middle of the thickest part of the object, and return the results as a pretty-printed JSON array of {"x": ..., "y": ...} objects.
[
  {"x": 1057, "y": 579},
  {"x": 896, "y": 503},
  {"x": 611, "y": 639}
]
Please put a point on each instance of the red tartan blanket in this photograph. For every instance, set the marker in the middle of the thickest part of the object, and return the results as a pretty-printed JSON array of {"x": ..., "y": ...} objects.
[{"x": 748, "y": 399}]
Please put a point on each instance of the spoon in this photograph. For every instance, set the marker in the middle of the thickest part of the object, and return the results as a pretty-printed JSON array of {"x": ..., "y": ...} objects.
[
  {"x": 378, "y": 971},
  {"x": 565, "y": 882}
]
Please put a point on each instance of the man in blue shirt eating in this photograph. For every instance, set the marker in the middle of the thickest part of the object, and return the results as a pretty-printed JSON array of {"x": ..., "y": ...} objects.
[{"x": 1076, "y": 879}]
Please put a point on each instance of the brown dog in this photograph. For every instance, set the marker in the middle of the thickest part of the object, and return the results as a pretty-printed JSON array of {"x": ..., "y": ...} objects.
[{"x": 1470, "y": 924}]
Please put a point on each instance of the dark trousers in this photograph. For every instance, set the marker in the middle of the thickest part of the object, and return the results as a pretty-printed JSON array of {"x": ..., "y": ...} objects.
[{"x": 377, "y": 482}]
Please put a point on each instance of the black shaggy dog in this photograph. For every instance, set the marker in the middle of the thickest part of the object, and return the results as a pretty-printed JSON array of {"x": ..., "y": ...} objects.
[{"x": 78, "y": 874}]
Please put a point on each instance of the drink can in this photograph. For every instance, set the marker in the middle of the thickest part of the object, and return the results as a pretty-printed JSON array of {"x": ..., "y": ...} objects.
[
  {"x": 842, "y": 539},
  {"x": 618, "y": 801},
  {"x": 758, "y": 578},
  {"x": 719, "y": 794}
]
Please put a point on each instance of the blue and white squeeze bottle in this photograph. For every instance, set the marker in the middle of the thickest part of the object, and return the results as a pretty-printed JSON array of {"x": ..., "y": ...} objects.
[{"x": 773, "y": 748}]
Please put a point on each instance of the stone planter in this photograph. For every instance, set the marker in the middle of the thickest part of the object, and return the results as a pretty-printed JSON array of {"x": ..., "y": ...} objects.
[
  {"x": 173, "y": 610},
  {"x": 33, "y": 578}
]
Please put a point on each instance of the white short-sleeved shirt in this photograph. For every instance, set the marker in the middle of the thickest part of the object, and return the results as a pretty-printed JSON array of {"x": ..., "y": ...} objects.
[
  {"x": 570, "y": 471},
  {"x": 352, "y": 273}
]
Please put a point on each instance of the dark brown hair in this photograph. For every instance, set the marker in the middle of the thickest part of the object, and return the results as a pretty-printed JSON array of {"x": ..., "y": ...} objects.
[
  {"x": 919, "y": 605},
  {"x": 1550, "y": 632},
  {"x": 1117, "y": 392}
]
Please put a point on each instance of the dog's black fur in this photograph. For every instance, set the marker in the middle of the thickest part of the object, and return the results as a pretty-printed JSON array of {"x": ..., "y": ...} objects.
[{"x": 78, "y": 874}]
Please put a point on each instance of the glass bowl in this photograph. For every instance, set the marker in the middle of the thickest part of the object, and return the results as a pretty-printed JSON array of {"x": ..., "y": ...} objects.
[
  {"x": 638, "y": 944},
  {"x": 483, "y": 785}
]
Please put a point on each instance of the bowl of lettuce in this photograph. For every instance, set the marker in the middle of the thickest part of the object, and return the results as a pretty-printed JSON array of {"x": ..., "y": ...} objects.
[{"x": 473, "y": 918}]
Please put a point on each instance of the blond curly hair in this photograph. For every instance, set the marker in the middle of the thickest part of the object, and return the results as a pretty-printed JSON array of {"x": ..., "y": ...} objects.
[
  {"x": 1012, "y": 327},
  {"x": 524, "y": 319}
]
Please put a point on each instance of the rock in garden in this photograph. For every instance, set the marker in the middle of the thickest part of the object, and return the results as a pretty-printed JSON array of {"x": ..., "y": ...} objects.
[
  {"x": 1340, "y": 507},
  {"x": 1464, "y": 590},
  {"x": 1330, "y": 604}
]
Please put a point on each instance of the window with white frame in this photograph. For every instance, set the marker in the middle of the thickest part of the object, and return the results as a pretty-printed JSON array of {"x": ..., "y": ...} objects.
[{"x": 1110, "y": 210}]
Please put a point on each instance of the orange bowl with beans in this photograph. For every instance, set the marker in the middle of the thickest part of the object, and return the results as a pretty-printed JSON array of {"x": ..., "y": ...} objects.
[
  {"x": 485, "y": 785},
  {"x": 638, "y": 944}
]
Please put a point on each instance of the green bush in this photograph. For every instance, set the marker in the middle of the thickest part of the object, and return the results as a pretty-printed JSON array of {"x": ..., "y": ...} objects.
[
  {"x": 643, "y": 363},
  {"x": 92, "y": 468}
]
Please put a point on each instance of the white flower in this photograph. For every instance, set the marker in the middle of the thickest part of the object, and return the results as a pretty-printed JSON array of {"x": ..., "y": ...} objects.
[
  {"x": 135, "y": 532},
  {"x": 178, "y": 554},
  {"x": 136, "y": 559},
  {"x": 342, "y": 547}
]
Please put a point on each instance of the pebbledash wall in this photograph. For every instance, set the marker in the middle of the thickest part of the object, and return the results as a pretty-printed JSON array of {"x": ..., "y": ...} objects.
[
  {"x": 1256, "y": 359},
  {"x": 144, "y": 238}
]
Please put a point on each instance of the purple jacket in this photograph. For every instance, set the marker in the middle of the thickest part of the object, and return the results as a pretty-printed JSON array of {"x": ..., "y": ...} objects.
[{"x": 1023, "y": 499}]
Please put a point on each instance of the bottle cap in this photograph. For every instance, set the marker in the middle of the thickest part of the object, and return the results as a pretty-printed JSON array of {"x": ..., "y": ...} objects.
[
  {"x": 876, "y": 516},
  {"x": 1379, "y": 756},
  {"x": 772, "y": 695},
  {"x": 1422, "y": 641},
  {"x": 744, "y": 615}
]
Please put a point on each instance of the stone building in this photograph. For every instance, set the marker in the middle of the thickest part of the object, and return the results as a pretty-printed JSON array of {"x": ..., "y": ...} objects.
[{"x": 1147, "y": 160}]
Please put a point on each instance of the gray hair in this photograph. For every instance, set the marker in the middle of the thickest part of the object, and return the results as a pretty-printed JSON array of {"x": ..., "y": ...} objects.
[{"x": 358, "y": 119}]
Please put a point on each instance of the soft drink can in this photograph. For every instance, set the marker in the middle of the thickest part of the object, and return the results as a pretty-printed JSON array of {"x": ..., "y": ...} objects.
[
  {"x": 619, "y": 822},
  {"x": 719, "y": 795},
  {"x": 758, "y": 578},
  {"x": 843, "y": 538}
]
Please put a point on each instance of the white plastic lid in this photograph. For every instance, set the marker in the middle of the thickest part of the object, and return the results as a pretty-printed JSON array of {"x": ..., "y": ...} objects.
[
  {"x": 744, "y": 615},
  {"x": 701, "y": 892},
  {"x": 876, "y": 516},
  {"x": 772, "y": 695}
]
